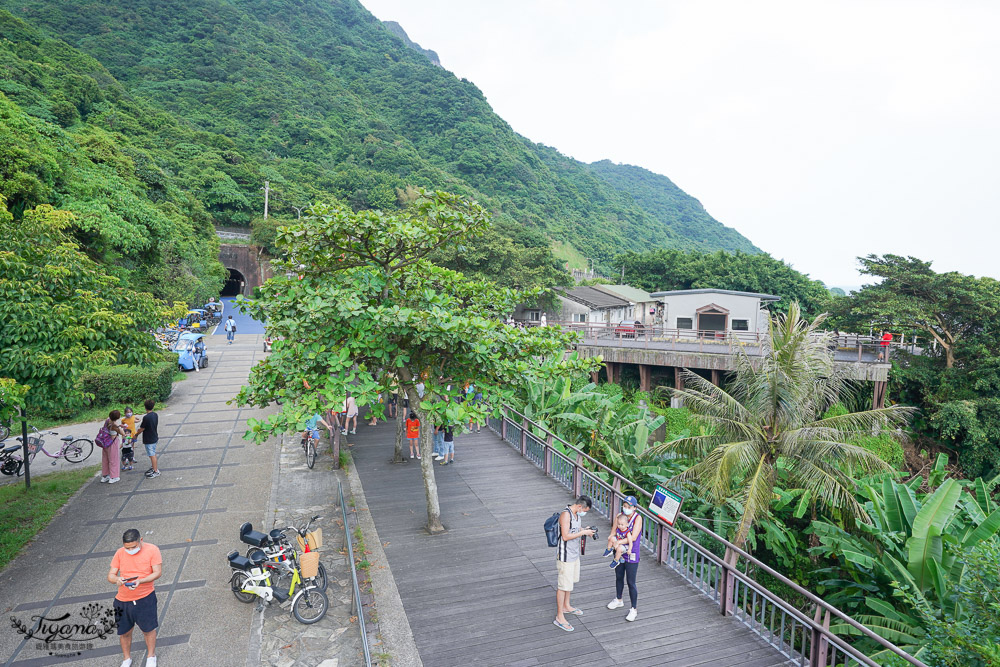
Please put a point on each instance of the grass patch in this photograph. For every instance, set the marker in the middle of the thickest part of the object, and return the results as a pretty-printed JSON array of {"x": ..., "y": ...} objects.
[
  {"x": 567, "y": 253},
  {"x": 92, "y": 414},
  {"x": 24, "y": 513},
  {"x": 345, "y": 460}
]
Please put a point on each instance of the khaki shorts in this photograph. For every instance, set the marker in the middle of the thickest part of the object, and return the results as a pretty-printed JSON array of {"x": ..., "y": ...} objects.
[{"x": 569, "y": 574}]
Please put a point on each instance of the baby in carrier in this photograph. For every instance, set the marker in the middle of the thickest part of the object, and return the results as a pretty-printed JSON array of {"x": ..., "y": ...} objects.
[
  {"x": 620, "y": 542},
  {"x": 128, "y": 453}
]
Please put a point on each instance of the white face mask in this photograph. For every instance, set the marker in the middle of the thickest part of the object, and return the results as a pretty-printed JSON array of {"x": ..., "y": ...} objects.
[
  {"x": 627, "y": 511},
  {"x": 132, "y": 552},
  {"x": 582, "y": 513}
]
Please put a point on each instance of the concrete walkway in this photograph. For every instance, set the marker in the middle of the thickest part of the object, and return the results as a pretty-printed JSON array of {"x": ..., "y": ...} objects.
[
  {"x": 484, "y": 592},
  {"x": 211, "y": 482}
]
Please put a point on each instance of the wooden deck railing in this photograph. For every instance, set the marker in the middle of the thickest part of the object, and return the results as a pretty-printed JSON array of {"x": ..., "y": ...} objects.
[{"x": 804, "y": 637}]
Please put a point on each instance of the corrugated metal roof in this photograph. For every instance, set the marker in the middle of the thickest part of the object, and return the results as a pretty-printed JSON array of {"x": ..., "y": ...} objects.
[
  {"x": 763, "y": 297},
  {"x": 592, "y": 298},
  {"x": 633, "y": 294}
]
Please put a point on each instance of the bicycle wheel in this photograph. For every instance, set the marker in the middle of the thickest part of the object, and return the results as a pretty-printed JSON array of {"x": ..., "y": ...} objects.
[
  {"x": 79, "y": 450},
  {"x": 238, "y": 583},
  {"x": 320, "y": 578},
  {"x": 310, "y": 454},
  {"x": 4, "y": 432},
  {"x": 310, "y": 606}
]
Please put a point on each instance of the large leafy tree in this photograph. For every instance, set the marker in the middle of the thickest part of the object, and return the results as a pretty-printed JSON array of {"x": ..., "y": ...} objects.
[
  {"x": 770, "y": 423},
  {"x": 911, "y": 296},
  {"x": 60, "y": 313},
  {"x": 358, "y": 295}
]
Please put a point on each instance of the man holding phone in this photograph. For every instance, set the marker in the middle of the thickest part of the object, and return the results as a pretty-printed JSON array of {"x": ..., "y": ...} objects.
[{"x": 134, "y": 568}]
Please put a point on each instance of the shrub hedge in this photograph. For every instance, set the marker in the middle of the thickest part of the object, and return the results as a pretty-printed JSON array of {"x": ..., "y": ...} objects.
[{"x": 129, "y": 384}]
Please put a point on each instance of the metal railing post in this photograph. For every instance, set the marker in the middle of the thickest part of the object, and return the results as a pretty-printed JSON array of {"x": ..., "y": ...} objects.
[
  {"x": 547, "y": 459},
  {"x": 524, "y": 437}
]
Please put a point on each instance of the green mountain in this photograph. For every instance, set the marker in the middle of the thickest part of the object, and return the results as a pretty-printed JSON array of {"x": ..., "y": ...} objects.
[
  {"x": 195, "y": 104},
  {"x": 398, "y": 31}
]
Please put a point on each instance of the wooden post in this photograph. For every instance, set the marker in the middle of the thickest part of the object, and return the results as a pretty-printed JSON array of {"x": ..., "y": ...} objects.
[
  {"x": 818, "y": 648},
  {"x": 548, "y": 455},
  {"x": 661, "y": 550},
  {"x": 578, "y": 476},
  {"x": 678, "y": 378},
  {"x": 613, "y": 371},
  {"x": 645, "y": 377},
  {"x": 615, "y": 499},
  {"x": 524, "y": 437},
  {"x": 727, "y": 581},
  {"x": 595, "y": 377},
  {"x": 716, "y": 377},
  {"x": 878, "y": 395}
]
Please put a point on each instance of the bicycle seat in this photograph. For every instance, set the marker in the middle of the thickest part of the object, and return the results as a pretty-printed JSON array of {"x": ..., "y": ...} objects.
[
  {"x": 238, "y": 562},
  {"x": 67, "y": 438},
  {"x": 276, "y": 534},
  {"x": 254, "y": 538},
  {"x": 11, "y": 448}
]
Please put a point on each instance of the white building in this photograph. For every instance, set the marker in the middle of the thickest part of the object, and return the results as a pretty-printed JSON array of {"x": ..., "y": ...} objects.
[
  {"x": 581, "y": 304},
  {"x": 716, "y": 310}
]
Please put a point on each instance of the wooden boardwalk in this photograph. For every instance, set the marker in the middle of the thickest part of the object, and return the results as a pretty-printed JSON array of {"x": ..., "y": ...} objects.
[{"x": 484, "y": 592}]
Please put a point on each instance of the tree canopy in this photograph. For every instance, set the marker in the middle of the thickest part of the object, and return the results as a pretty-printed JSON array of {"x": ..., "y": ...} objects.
[{"x": 358, "y": 302}]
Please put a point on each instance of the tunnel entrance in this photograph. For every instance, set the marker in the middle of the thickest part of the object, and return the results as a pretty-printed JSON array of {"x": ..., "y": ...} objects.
[{"x": 235, "y": 283}]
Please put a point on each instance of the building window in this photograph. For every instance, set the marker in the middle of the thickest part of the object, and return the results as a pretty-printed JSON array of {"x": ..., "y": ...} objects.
[
  {"x": 533, "y": 315},
  {"x": 581, "y": 317},
  {"x": 684, "y": 323},
  {"x": 741, "y": 325}
]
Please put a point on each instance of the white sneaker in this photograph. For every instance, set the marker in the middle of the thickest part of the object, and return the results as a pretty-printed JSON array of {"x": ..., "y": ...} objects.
[
  {"x": 632, "y": 613},
  {"x": 437, "y": 457},
  {"x": 114, "y": 480},
  {"x": 104, "y": 479},
  {"x": 615, "y": 604},
  {"x": 151, "y": 661},
  {"x": 127, "y": 663},
  {"x": 354, "y": 431}
]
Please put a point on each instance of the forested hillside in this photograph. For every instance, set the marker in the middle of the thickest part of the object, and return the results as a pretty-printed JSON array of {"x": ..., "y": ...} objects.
[{"x": 321, "y": 99}]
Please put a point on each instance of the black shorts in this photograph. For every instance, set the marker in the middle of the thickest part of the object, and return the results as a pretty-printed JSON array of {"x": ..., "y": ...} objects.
[
  {"x": 142, "y": 612},
  {"x": 392, "y": 399}
]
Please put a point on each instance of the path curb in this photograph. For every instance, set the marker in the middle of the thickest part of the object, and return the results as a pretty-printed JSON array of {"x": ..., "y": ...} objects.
[
  {"x": 255, "y": 645},
  {"x": 397, "y": 637}
]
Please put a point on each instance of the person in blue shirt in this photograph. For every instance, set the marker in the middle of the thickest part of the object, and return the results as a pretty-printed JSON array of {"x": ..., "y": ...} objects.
[{"x": 312, "y": 428}]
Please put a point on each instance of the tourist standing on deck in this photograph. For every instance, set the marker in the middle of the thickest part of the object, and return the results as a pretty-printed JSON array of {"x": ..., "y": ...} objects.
[
  {"x": 568, "y": 558},
  {"x": 628, "y": 569}
]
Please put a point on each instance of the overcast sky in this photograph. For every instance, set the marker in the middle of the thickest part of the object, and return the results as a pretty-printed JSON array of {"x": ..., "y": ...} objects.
[{"x": 819, "y": 130}]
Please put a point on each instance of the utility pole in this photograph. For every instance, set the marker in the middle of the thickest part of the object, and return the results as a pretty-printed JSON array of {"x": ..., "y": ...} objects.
[
  {"x": 267, "y": 195},
  {"x": 623, "y": 274}
]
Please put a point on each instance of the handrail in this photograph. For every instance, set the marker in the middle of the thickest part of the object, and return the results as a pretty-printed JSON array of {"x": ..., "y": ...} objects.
[
  {"x": 730, "y": 570},
  {"x": 358, "y": 608}
]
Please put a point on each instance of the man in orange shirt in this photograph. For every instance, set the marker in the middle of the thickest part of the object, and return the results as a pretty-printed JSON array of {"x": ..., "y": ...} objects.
[{"x": 134, "y": 568}]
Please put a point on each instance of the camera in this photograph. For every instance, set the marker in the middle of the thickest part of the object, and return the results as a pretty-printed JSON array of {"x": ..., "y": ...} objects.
[{"x": 595, "y": 535}]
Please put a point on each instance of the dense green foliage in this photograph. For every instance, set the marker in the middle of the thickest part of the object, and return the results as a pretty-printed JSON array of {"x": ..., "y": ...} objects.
[
  {"x": 60, "y": 313},
  {"x": 662, "y": 270},
  {"x": 124, "y": 385},
  {"x": 955, "y": 377},
  {"x": 322, "y": 100},
  {"x": 71, "y": 136},
  {"x": 684, "y": 215}
]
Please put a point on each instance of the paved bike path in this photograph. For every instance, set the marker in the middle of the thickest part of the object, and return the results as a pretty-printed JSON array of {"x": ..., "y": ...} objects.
[{"x": 212, "y": 480}]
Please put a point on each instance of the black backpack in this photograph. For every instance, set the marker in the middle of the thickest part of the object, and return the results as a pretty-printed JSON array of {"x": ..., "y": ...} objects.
[{"x": 552, "y": 533}]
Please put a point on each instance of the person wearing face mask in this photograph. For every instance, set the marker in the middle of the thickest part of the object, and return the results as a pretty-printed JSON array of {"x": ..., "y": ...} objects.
[
  {"x": 629, "y": 565},
  {"x": 134, "y": 568},
  {"x": 568, "y": 558}
]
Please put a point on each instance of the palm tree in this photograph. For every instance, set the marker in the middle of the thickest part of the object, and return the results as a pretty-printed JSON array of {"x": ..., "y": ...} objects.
[{"x": 771, "y": 420}]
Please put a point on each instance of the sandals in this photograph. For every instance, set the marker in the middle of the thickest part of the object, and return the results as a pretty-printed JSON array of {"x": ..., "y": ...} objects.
[
  {"x": 563, "y": 626},
  {"x": 576, "y": 612}
]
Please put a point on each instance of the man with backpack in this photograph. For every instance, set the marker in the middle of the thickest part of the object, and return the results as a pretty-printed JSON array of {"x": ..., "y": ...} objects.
[
  {"x": 230, "y": 329},
  {"x": 568, "y": 557}
]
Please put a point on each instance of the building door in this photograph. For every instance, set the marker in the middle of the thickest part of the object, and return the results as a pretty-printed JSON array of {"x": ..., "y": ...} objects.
[{"x": 713, "y": 318}]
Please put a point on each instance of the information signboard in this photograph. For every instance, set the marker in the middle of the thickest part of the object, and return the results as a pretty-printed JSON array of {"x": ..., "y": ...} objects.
[{"x": 665, "y": 504}]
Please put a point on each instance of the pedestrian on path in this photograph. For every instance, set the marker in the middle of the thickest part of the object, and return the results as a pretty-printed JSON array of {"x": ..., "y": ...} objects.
[
  {"x": 111, "y": 456},
  {"x": 568, "y": 558},
  {"x": 438, "y": 436},
  {"x": 628, "y": 569},
  {"x": 351, "y": 410},
  {"x": 413, "y": 435},
  {"x": 448, "y": 446},
  {"x": 134, "y": 568},
  {"x": 230, "y": 329},
  {"x": 150, "y": 437}
]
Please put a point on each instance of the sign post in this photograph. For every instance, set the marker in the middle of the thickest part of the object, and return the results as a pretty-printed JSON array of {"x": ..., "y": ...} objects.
[
  {"x": 666, "y": 505},
  {"x": 24, "y": 450}
]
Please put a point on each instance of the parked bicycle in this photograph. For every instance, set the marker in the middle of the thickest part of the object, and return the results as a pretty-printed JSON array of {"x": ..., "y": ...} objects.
[
  {"x": 282, "y": 556},
  {"x": 309, "y": 447},
  {"x": 74, "y": 450},
  {"x": 252, "y": 578}
]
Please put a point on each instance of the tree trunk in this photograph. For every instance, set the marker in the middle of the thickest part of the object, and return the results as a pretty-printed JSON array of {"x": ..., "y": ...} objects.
[
  {"x": 397, "y": 454},
  {"x": 434, "y": 526}
]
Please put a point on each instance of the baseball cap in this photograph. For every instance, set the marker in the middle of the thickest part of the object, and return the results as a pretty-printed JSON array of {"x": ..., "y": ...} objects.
[{"x": 630, "y": 500}]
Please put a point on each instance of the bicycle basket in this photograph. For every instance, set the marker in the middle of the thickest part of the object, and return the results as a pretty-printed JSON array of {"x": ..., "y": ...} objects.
[
  {"x": 315, "y": 539},
  {"x": 302, "y": 544},
  {"x": 309, "y": 565}
]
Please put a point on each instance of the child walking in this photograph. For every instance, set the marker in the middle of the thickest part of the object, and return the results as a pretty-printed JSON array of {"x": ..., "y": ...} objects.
[{"x": 413, "y": 435}]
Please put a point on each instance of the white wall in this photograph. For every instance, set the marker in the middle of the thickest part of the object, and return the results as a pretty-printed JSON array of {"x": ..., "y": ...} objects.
[{"x": 739, "y": 307}]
